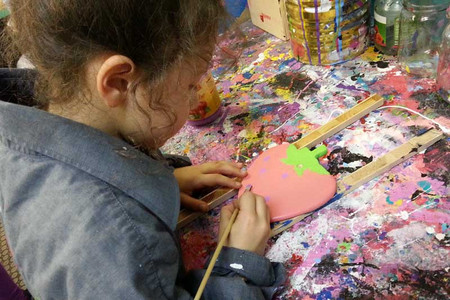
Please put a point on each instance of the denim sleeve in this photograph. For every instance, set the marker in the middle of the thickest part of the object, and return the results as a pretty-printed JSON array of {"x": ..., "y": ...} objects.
[{"x": 239, "y": 274}]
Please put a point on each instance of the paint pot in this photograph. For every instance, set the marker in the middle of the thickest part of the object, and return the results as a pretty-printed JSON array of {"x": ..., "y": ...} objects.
[
  {"x": 209, "y": 106},
  {"x": 325, "y": 32}
]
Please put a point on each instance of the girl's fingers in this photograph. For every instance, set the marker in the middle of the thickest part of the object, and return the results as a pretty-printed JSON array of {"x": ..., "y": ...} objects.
[
  {"x": 261, "y": 209},
  {"x": 225, "y": 216},
  {"x": 217, "y": 179},
  {"x": 226, "y": 168},
  {"x": 192, "y": 203},
  {"x": 246, "y": 203}
]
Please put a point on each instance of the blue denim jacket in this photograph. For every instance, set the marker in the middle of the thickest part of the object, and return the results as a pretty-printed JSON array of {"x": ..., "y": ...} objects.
[{"x": 87, "y": 216}]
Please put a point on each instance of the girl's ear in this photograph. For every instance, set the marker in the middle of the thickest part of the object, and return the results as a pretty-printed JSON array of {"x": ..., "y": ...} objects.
[{"x": 114, "y": 79}]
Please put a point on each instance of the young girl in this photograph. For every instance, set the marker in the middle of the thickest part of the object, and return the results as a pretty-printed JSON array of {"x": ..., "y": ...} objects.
[{"x": 87, "y": 214}]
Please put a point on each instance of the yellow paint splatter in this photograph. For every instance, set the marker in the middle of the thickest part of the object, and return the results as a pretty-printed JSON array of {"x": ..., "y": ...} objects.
[
  {"x": 371, "y": 55},
  {"x": 187, "y": 149},
  {"x": 398, "y": 202}
]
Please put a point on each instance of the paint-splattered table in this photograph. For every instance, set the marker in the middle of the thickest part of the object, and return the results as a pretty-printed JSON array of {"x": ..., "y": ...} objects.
[{"x": 389, "y": 239}]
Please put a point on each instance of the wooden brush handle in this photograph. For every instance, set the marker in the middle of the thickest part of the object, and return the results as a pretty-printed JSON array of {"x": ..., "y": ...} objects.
[{"x": 216, "y": 255}]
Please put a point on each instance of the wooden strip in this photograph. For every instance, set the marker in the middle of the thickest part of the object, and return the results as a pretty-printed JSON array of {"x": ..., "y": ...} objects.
[
  {"x": 215, "y": 198},
  {"x": 337, "y": 124},
  {"x": 391, "y": 159},
  {"x": 363, "y": 175}
]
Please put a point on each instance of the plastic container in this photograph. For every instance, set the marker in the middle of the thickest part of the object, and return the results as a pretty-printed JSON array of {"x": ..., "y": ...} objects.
[
  {"x": 329, "y": 31},
  {"x": 421, "y": 25},
  {"x": 443, "y": 73},
  {"x": 209, "y": 103},
  {"x": 387, "y": 25}
]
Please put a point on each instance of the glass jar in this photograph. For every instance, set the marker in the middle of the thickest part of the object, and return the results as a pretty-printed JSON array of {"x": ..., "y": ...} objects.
[
  {"x": 443, "y": 73},
  {"x": 421, "y": 25},
  {"x": 387, "y": 24}
]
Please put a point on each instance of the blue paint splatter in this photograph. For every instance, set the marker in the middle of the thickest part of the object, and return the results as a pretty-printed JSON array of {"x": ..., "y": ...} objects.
[
  {"x": 382, "y": 236},
  {"x": 247, "y": 75},
  {"x": 388, "y": 200},
  {"x": 324, "y": 295},
  {"x": 425, "y": 185},
  {"x": 352, "y": 257}
]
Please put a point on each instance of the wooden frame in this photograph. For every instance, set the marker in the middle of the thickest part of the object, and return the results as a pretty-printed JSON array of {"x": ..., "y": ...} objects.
[{"x": 349, "y": 182}]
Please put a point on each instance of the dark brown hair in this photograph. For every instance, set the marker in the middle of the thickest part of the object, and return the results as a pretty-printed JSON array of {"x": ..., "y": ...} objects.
[{"x": 60, "y": 36}]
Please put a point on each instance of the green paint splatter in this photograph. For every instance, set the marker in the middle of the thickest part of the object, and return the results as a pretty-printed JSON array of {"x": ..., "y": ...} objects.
[
  {"x": 304, "y": 159},
  {"x": 343, "y": 247}
]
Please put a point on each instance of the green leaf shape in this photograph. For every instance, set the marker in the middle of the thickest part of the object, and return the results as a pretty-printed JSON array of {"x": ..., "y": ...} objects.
[{"x": 305, "y": 159}]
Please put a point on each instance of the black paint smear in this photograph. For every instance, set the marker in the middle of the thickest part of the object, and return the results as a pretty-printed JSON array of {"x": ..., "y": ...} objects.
[
  {"x": 416, "y": 194},
  {"x": 294, "y": 82},
  {"x": 433, "y": 101},
  {"x": 356, "y": 76},
  {"x": 341, "y": 155},
  {"x": 359, "y": 294},
  {"x": 426, "y": 284},
  {"x": 360, "y": 264},
  {"x": 327, "y": 265},
  {"x": 418, "y": 130},
  {"x": 437, "y": 160},
  {"x": 240, "y": 116},
  {"x": 380, "y": 64}
]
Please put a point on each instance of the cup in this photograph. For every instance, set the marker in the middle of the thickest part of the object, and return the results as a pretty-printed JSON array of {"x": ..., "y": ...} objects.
[{"x": 209, "y": 103}]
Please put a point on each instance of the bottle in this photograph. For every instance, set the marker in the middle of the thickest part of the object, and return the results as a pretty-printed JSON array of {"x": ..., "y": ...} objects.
[
  {"x": 387, "y": 23},
  {"x": 443, "y": 73},
  {"x": 421, "y": 25}
]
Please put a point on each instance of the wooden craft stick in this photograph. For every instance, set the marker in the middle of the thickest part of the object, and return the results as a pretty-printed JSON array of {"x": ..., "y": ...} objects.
[
  {"x": 213, "y": 199},
  {"x": 364, "y": 174},
  {"x": 391, "y": 159},
  {"x": 337, "y": 124},
  {"x": 216, "y": 255}
]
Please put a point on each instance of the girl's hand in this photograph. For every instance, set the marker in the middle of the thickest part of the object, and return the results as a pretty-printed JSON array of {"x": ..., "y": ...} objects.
[
  {"x": 192, "y": 178},
  {"x": 251, "y": 230}
]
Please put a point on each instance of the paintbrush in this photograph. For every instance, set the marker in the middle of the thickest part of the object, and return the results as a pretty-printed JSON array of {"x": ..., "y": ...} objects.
[{"x": 217, "y": 252}]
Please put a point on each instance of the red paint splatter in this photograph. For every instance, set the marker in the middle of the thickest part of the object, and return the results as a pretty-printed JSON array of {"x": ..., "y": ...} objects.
[{"x": 298, "y": 259}]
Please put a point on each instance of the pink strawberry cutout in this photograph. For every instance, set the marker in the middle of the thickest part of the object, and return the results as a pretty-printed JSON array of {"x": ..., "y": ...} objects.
[{"x": 291, "y": 180}]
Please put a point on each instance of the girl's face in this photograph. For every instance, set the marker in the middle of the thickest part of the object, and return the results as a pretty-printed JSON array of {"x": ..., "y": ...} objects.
[{"x": 178, "y": 97}]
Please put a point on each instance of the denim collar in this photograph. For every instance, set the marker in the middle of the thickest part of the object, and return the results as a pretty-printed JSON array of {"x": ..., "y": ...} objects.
[{"x": 110, "y": 159}]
